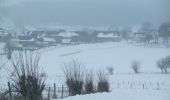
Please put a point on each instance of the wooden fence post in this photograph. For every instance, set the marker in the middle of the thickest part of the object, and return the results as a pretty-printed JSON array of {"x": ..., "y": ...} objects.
[
  {"x": 9, "y": 86},
  {"x": 54, "y": 95},
  {"x": 118, "y": 85},
  {"x": 158, "y": 86},
  {"x": 62, "y": 91},
  {"x": 150, "y": 84},
  {"x": 49, "y": 93},
  {"x": 69, "y": 93},
  {"x": 143, "y": 86},
  {"x": 131, "y": 85}
]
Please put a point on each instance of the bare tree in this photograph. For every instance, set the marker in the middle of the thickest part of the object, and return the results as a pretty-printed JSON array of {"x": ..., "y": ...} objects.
[
  {"x": 110, "y": 69},
  {"x": 74, "y": 77},
  {"x": 164, "y": 31},
  {"x": 125, "y": 33},
  {"x": 28, "y": 80},
  {"x": 160, "y": 65},
  {"x": 164, "y": 64},
  {"x": 147, "y": 28}
]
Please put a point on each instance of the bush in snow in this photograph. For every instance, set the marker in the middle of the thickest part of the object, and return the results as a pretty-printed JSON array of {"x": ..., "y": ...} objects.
[
  {"x": 110, "y": 70},
  {"x": 89, "y": 83},
  {"x": 164, "y": 64},
  {"x": 74, "y": 77},
  {"x": 103, "y": 83},
  {"x": 136, "y": 66},
  {"x": 27, "y": 78},
  {"x": 160, "y": 65}
]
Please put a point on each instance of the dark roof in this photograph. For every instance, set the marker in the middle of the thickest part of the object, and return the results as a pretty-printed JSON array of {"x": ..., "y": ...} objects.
[
  {"x": 1, "y": 30},
  {"x": 38, "y": 32},
  {"x": 139, "y": 33},
  {"x": 25, "y": 37},
  {"x": 52, "y": 32}
]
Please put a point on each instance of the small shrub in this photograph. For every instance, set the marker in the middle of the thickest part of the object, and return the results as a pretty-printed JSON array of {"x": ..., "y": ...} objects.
[
  {"x": 110, "y": 70},
  {"x": 136, "y": 66},
  {"x": 74, "y": 77},
  {"x": 103, "y": 83},
  {"x": 88, "y": 83},
  {"x": 27, "y": 77}
]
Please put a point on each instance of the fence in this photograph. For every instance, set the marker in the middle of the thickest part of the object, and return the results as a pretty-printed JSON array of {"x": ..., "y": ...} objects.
[
  {"x": 61, "y": 91},
  {"x": 57, "y": 92},
  {"x": 140, "y": 85}
]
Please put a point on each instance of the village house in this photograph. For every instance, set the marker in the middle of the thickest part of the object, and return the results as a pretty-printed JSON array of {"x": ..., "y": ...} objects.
[
  {"x": 139, "y": 36},
  {"x": 67, "y": 37},
  {"x": 104, "y": 36}
]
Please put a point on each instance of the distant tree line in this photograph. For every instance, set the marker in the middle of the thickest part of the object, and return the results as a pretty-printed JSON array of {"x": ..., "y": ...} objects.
[{"x": 149, "y": 32}]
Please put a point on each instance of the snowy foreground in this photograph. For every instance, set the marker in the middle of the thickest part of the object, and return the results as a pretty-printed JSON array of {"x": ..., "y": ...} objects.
[
  {"x": 120, "y": 56},
  {"x": 125, "y": 95},
  {"x": 124, "y": 84}
]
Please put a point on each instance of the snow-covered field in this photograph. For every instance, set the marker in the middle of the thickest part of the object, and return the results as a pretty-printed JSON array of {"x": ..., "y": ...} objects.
[
  {"x": 118, "y": 55},
  {"x": 100, "y": 56},
  {"x": 125, "y": 95}
]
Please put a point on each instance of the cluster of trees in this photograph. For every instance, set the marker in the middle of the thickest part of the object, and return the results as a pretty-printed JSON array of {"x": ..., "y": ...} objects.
[
  {"x": 80, "y": 82},
  {"x": 150, "y": 33},
  {"x": 164, "y": 31},
  {"x": 163, "y": 64}
]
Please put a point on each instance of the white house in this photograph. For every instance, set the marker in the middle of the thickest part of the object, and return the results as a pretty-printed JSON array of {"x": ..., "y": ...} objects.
[
  {"x": 67, "y": 34},
  {"x": 107, "y": 37}
]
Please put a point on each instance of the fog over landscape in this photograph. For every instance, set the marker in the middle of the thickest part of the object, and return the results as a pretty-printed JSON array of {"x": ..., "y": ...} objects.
[
  {"x": 84, "y": 49},
  {"x": 87, "y": 12}
]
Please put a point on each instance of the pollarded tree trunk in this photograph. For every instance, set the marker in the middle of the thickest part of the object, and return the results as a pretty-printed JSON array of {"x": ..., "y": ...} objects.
[
  {"x": 162, "y": 71},
  {"x": 165, "y": 70}
]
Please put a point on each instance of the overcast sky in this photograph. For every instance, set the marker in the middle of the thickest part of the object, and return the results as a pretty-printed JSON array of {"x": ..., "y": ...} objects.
[{"x": 87, "y": 12}]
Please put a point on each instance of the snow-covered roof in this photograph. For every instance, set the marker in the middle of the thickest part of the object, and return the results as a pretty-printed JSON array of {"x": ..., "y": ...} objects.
[
  {"x": 67, "y": 34},
  {"x": 31, "y": 40},
  {"x": 49, "y": 39},
  {"x": 30, "y": 28},
  {"x": 110, "y": 35},
  {"x": 139, "y": 34},
  {"x": 66, "y": 40},
  {"x": 3, "y": 33}
]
